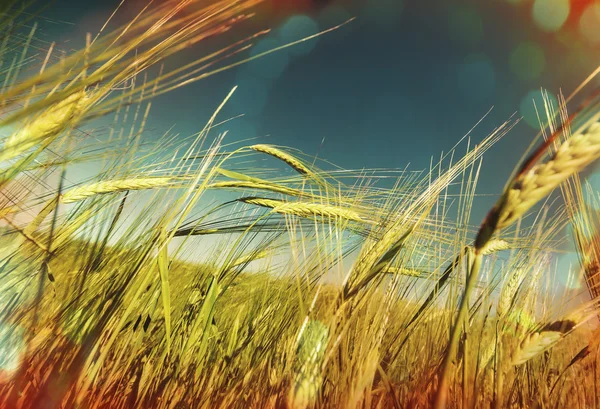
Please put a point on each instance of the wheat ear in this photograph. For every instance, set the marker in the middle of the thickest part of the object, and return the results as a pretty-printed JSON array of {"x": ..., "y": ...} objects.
[
  {"x": 93, "y": 189},
  {"x": 27, "y": 236},
  {"x": 534, "y": 344},
  {"x": 249, "y": 258},
  {"x": 509, "y": 290},
  {"x": 533, "y": 184},
  {"x": 410, "y": 272},
  {"x": 112, "y": 186},
  {"x": 539, "y": 341},
  {"x": 304, "y": 209},
  {"x": 293, "y": 162},
  {"x": 40, "y": 217},
  {"x": 307, "y": 366}
]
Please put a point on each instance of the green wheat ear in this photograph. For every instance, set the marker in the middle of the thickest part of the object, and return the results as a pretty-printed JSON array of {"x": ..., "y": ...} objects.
[
  {"x": 312, "y": 343},
  {"x": 307, "y": 368}
]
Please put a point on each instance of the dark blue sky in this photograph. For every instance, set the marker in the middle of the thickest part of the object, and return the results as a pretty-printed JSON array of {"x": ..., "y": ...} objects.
[{"x": 400, "y": 84}]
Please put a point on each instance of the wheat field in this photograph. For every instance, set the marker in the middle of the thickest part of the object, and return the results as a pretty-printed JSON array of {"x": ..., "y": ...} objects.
[{"x": 183, "y": 275}]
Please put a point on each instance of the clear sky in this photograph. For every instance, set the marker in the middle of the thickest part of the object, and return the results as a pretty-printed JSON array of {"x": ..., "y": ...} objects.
[{"x": 400, "y": 84}]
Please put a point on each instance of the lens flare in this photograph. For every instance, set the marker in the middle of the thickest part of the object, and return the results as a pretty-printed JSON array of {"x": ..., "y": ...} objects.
[
  {"x": 527, "y": 61},
  {"x": 589, "y": 23},
  {"x": 550, "y": 15}
]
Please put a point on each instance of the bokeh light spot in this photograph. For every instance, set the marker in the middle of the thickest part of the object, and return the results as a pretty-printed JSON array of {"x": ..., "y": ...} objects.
[
  {"x": 550, "y": 15},
  {"x": 527, "y": 61},
  {"x": 297, "y": 28},
  {"x": 476, "y": 77},
  {"x": 532, "y": 101},
  {"x": 466, "y": 26},
  {"x": 589, "y": 23},
  {"x": 269, "y": 66}
]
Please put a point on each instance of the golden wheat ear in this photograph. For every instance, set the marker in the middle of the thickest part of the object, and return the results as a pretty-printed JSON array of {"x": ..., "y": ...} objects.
[
  {"x": 541, "y": 340},
  {"x": 114, "y": 186},
  {"x": 304, "y": 209},
  {"x": 292, "y": 161},
  {"x": 509, "y": 291},
  {"x": 538, "y": 180}
]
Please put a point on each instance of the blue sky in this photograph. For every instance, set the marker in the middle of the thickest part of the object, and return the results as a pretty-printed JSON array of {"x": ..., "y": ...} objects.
[
  {"x": 397, "y": 86},
  {"x": 400, "y": 84}
]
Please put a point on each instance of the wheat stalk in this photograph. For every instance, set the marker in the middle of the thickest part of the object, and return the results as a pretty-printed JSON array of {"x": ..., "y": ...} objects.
[
  {"x": 304, "y": 209},
  {"x": 112, "y": 186},
  {"x": 293, "y": 162},
  {"x": 49, "y": 124}
]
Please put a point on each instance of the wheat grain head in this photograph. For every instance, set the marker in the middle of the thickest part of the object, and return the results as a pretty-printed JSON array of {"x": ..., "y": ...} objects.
[
  {"x": 509, "y": 290},
  {"x": 537, "y": 342},
  {"x": 534, "y": 183},
  {"x": 305, "y": 209},
  {"x": 113, "y": 186},
  {"x": 293, "y": 162}
]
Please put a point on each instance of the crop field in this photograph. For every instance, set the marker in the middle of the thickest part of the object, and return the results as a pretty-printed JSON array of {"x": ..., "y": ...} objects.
[{"x": 201, "y": 272}]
